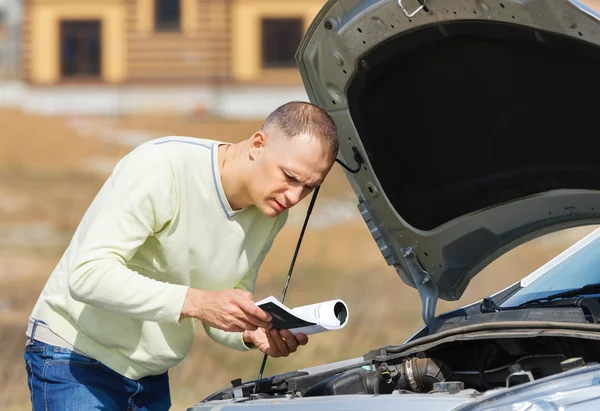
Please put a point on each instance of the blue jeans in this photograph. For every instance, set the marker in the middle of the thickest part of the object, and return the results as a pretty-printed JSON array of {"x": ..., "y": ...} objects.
[{"x": 62, "y": 380}]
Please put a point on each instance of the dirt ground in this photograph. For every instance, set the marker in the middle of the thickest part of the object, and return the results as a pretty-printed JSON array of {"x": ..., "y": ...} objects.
[{"x": 51, "y": 168}]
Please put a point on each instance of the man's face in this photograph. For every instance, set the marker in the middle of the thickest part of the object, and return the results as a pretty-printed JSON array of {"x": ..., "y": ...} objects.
[{"x": 285, "y": 170}]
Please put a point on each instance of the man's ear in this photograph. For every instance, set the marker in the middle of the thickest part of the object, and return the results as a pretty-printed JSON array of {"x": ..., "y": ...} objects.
[{"x": 257, "y": 144}]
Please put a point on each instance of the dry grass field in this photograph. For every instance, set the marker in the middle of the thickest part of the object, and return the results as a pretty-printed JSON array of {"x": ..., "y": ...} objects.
[{"x": 51, "y": 168}]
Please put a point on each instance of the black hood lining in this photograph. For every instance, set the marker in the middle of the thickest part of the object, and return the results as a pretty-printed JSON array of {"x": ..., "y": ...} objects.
[{"x": 461, "y": 116}]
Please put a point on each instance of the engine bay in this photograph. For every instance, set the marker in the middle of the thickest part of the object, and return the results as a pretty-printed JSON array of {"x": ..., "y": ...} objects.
[{"x": 460, "y": 366}]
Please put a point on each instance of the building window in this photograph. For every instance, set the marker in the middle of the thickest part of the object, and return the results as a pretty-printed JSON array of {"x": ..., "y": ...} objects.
[
  {"x": 80, "y": 49},
  {"x": 280, "y": 39},
  {"x": 167, "y": 15}
]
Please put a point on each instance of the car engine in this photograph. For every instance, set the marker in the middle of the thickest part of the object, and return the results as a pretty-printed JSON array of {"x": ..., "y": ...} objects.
[{"x": 451, "y": 367}]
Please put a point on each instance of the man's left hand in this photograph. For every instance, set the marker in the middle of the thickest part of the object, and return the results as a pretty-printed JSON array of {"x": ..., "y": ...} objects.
[{"x": 276, "y": 343}]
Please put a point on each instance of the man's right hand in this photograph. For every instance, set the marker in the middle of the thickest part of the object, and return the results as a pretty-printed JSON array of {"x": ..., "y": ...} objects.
[{"x": 228, "y": 310}]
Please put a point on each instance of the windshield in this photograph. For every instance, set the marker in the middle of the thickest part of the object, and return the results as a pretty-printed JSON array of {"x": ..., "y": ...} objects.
[{"x": 574, "y": 268}]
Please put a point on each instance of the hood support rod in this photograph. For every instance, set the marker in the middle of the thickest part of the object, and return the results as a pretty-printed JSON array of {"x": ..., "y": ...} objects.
[
  {"x": 427, "y": 288},
  {"x": 289, "y": 276}
]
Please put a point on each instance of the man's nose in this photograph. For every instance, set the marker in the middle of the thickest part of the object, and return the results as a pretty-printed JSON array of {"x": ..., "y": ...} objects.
[{"x": 293, "y": 195}]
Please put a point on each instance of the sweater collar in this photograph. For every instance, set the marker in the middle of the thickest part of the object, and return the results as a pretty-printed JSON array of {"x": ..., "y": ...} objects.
[{"x": 229, "y": 212}]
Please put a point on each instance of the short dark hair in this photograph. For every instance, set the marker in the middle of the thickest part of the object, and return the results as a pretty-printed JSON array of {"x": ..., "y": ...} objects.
[{"x": 298, "y": 117}]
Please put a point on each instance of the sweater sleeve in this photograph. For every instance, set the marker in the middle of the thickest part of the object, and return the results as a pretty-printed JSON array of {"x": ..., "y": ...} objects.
[
  {"x": 136, "y": 202},
  {"x": 234, "y": 340}
]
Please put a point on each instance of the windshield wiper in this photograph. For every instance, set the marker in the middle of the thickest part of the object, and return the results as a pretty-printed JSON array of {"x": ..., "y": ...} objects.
[{"x": 576, "y": 292}]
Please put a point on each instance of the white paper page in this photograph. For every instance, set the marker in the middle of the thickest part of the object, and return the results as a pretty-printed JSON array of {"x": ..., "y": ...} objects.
[{"x": 322, "y": 313}]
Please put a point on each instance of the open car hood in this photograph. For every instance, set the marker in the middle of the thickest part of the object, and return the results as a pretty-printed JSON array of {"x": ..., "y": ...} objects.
[{"x": 476, "y": 121}]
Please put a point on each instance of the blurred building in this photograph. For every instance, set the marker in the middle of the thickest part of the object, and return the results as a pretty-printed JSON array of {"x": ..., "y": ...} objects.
[
  {"x": 234, "y": 58},
  {"x": 164, "y": 42}
]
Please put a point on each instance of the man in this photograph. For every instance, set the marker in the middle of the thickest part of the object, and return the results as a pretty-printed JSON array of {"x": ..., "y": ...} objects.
[{"x": 176, "y": 234}]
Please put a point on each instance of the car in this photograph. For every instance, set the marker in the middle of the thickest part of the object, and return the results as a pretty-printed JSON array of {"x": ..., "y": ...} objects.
[{"x": 467, "y": 128}]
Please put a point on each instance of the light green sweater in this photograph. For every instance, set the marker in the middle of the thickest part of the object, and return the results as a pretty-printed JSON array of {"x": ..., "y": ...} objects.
[{"x": 160, "y": 224}]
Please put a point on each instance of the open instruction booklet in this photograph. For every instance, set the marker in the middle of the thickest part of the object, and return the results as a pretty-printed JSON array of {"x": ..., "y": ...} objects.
[{"x": 307, "y": 319}]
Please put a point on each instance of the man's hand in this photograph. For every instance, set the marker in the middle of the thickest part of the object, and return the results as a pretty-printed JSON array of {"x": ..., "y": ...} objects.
[
  {"x": 228, "y": 310},
  {"x": 273, "y": 342}
]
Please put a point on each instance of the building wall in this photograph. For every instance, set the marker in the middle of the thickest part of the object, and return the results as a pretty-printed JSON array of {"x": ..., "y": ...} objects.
[
  {"x": 41, "y": 48},
  {"x": 219, "y": 41},
  {"x": 198, "y": 53},
  {"x": 246, "y": 37},
  {"x": 132, "y": 51}
]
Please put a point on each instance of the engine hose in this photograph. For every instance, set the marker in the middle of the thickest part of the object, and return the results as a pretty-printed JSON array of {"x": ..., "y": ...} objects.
[{"x": 419, "y": 374}]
